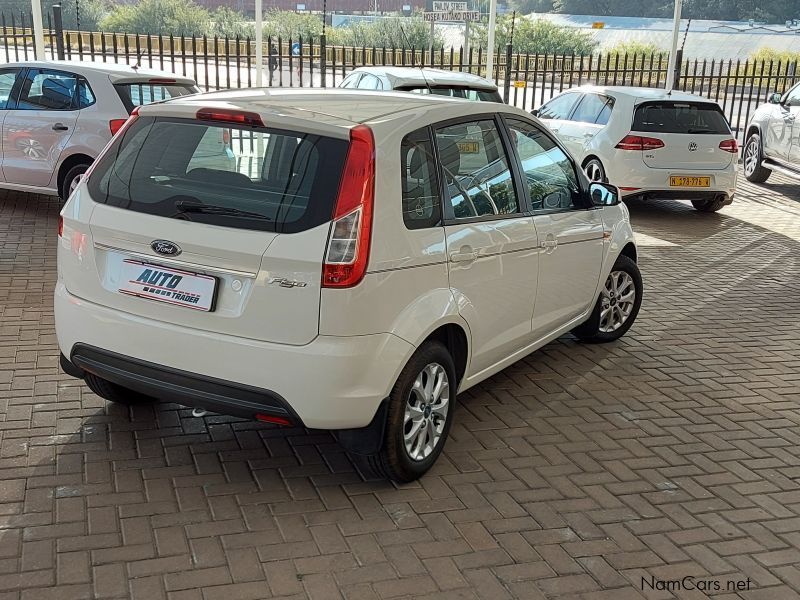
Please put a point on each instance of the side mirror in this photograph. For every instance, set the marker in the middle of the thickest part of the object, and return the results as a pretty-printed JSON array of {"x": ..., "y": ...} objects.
[
  {"x": 535, "y": 112},
  {"x": 775, "y": 98},
  {"x": 603, "y": 194}
]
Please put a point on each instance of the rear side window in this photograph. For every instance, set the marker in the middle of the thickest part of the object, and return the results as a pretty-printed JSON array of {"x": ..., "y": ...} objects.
[
  {"x": 680, "y": 117},
  {"x": 263, "y": 179},
  {"x": 8, "y": 78},
  {"x": 559, "y": 107},
  {"x": 47, "y": 89},
  {"x": 147, "y": 92},
  {"x": 589, "y": 108},
  {"x": 421, "y": 202}
]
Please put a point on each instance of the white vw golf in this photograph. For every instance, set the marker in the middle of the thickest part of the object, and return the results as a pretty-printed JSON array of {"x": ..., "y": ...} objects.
[
  {"x": 369, "y": 256},
  {"x": 649, "y": 142}
]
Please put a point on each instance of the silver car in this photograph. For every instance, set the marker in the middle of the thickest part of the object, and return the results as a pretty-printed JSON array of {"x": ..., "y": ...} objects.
[
  {"x": 771, "y": 141},
  {"x": 56, "y": 117}
]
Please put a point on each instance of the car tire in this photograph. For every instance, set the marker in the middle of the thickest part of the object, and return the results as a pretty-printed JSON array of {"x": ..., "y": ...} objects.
[
  {"x": 752, "y": 157},
  {"x": 71, "y": 180},
  {"x": 415, "y": 404},
  {"x": 709, "y": 206},
  {"x": 595, "y": 171},
  {"x": 113, "y": 392},
  {"x": 605, "y": 326}
]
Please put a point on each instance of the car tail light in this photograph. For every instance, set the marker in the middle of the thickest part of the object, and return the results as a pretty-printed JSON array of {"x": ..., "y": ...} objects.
[
  {"x": 60, "y": 226},
  {"x": 729, "y": 146},
  {"x": 225, "y": 115},
  {"x": 115, "y": 125},
  {"x": 638, "y": 142},
  {"x": 273, "y": 419},
  {"x": 349, "y": 240}
]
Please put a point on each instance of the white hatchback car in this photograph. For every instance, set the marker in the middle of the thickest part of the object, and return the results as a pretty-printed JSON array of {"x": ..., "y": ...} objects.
[
  {"x": 650, "y": 143},
  {"x": 56, "y": 117},
  {"x": 374, "y": 254}
]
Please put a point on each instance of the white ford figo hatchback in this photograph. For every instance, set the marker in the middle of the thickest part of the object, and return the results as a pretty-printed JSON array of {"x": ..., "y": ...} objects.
[{"x": 369, "y": 256}]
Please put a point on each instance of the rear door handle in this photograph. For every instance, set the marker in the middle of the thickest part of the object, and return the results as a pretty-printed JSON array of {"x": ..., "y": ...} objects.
[
  {"x": 60, "y": 127},
  {"x": 464, "y": 256}
]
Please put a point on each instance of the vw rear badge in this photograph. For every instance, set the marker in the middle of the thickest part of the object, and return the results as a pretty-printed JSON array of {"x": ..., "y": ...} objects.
[
  {"x": 692, "y": 146},
  {"x": 165, "y": 248}
]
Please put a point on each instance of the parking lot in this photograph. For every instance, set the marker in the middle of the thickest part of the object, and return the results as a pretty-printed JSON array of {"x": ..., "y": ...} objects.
[{"x": 583, "y": 471}]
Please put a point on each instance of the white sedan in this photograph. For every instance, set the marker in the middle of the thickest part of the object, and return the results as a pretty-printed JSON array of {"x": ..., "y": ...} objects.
[{"x": 650, "y": 143}]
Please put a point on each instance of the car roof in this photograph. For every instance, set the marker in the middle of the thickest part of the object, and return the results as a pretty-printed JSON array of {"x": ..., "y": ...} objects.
[
  {"x": 640, "y": 93},
  {"x": 411, "y": 76},
  {"x": 118, "y": 73},
  {"x": 328, "y": 111}
]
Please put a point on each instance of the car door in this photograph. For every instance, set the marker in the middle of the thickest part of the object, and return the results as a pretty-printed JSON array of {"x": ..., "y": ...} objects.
[
  {"x": 583, "y": 124},
  {"x": 491, "y": 241},
  {"x": 9, "y": 80},
  {"x": 38, "y": 127},
  {"x": 569, "y": 229},
  {"x": 781, "y": 127},
  {"x": 556, "y": 112}
]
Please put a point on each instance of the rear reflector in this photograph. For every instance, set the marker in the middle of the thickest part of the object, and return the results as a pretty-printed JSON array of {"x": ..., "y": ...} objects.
[
  {"x": 638, "y": 142},
  {"x": 60, "y": 225},
  {"x": 729, "y": 146},
  {"x": 272, "y": 419},
  {"x": 224, "y": 115},
  {"x": 115, "y": 125},
  {"x": 349, "y": 240}
]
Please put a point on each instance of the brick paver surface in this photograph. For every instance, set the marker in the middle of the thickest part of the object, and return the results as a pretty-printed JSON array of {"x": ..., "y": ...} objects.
[{"x": 584, "y": 471}]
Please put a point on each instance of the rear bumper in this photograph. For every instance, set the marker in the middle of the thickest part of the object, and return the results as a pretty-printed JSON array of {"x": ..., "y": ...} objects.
[
  {"x": 331, "y": 383},
  {"x": 679, "y": 195}
]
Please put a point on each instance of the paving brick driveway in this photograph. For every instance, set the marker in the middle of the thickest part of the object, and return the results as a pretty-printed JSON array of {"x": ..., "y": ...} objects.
[{"x": 579, "y": 472}]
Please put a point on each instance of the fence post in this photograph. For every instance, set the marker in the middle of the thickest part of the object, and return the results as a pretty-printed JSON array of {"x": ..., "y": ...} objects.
[
  {"x": 507, "y": 80},
  {"x": 58, "y": 25},
  {"x": 678, "y": 67},
  {"x": 323, "y": 59}
]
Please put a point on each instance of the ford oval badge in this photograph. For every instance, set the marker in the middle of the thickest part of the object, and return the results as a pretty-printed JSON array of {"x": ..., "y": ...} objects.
[{"x": 165, "y": 248}]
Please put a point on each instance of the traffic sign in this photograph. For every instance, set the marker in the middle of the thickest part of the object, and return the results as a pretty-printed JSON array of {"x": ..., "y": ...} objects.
[{"x": 295, "y": 48}]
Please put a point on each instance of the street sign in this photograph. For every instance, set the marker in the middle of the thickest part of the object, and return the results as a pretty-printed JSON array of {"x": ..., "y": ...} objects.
[
  {"x": 457, "y": 15},
  {"x": 444, "y": 6},
  {"x": 295, "y": 48},
  {"x": 598, "y": 25},
  {"x": 519, "y": 84}
]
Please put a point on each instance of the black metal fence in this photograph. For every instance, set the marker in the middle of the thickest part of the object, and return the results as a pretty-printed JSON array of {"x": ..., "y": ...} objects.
[{"x": 525, "y": 80}]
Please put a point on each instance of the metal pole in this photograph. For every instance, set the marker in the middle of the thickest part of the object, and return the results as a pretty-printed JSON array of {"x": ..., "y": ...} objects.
[
  {"x": 466, "y": 38},
  {"x": 58, "y": 25},
  {"x": 259, "y": 49},
  {"x": 673, "y": 55},
  {"x": 490, "y": 43},
  {"x": 38, "y": 29},
  {"x": 323, "y": 44}
]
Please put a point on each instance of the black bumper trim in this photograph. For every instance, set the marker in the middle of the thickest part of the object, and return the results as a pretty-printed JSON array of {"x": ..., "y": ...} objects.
[
  {"x": 679, "y": 195},
  {"x": 182, "y": 387}
]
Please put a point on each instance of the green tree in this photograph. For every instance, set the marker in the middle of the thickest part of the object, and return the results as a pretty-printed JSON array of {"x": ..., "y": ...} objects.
[
  {"x": 637, "y": 48},
  {"x": 226, "y": 22},
  {"x": 410, "y": 32},
  {"x": 291, "y": 25},
  {"x": 176, "y": 17},
  {"x": 536, "y": 36}
]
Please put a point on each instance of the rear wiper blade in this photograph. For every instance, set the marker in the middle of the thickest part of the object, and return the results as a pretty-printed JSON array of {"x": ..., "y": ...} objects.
[
  {"x": 212, "y": 209},
  {"x": 698, "y": 131}
]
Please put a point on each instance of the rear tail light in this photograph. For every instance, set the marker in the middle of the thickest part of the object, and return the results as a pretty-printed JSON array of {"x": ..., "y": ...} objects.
[
  {"x": 273, "y": 419},
  {"x": 60, "y": 226},
  {"x": 638, "y": 142},
  {"x": 729, "y": 146},
  {"x": 348, "y": 244},
  {"x": 115, "y": 125},
  {"x": 225, "y": 115}
]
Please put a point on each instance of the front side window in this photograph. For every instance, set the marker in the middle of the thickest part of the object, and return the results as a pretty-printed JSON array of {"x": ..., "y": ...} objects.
[
  {"x": 46, "y": 89},
  {"x": 793, "y": 97},
  {"x": 370, "y": 82},
  {"x": 421, "y": 203},
  {"x": 559, "y": 107},
  {"x": 264, "y": 179},
  {"x": 351, "y": 81},
  {"x": 549, "y": 173},
  {"x": 476, "y": 170},
  {"x": 7, "y": 79}
]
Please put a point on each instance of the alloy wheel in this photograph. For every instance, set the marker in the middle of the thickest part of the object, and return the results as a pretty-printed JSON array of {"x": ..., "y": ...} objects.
[
  {"x": 426, "y": 411},
  {"x": 617, "y": 300},
  {"x": 74, "y": 183},
  {"x": 751, "y": 156}
]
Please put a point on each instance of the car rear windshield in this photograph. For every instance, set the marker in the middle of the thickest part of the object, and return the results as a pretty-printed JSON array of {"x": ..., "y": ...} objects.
[
  {"x": 263, "y": 179},
  {"x": 456, "y": 92},
  {"x": 680, "y": 117},
  {"x": 135, "y": 94}
]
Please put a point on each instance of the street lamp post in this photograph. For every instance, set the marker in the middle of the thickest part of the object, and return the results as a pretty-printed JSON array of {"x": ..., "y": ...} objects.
[
  {"x": 322, "y": 46},
  {"x": 38, "y": 29},
  {"x": 673, "y": 55},
  {"x": 490, "y": 41},
  {"x": 259, "y": 48}
]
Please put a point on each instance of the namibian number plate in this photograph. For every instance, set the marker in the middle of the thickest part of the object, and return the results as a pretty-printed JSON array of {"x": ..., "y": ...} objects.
[
  {"x": 688, "y": 181},
  {"x": 468, "y": 147},
  {"x": 172, "y": 286}
]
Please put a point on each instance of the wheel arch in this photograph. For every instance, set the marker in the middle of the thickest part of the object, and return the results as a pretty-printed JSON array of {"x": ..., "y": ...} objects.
[
  {"x": 629, "y": 250},
  {"x": 71, "y": 161},
  {"x": 453, "y": 337}
]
